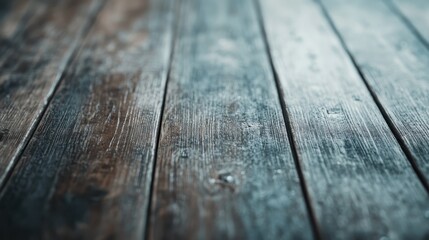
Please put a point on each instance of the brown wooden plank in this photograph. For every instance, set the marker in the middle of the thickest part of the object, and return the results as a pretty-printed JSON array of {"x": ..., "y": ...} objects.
[
  {"x": 394, "y": 63},
  {"x": 31, "y": 66},
  {"x": 360, "y": 183},
  {"x": 224, "y": 165},
  {"x": 86, "y": 172}
]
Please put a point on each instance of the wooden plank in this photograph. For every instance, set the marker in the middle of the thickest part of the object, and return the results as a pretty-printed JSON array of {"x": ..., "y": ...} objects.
[
  {"x": 224, "y": 164},
  {"x": 31, "y": 66},
  {"x": 416, "y": 14},
  {"x": 360, "y": 183},
  {"x": 395, "y": 65},
  {"x": 87, "y": 171}
]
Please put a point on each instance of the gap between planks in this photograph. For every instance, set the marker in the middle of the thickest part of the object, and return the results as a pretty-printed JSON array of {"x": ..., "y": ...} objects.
[
  {"x": 161, "y": 118},
  {"x": 315, "y": 226}
]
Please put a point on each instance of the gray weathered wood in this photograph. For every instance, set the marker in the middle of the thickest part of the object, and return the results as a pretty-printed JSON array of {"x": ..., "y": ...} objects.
[
  {"x": 31, "y": 65},
  {"x": 224, "y": 164},
  {"x": 360, "y": 183},
  {"x": 416, "y": 13},
  {"x": 394, "y": 63},
  {"x": 86, "y": 173}
]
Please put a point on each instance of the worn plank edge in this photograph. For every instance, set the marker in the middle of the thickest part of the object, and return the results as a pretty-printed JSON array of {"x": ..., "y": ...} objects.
[
  {"x": 393, "y": 129},
  {"x": 70, "y": 55},
  {"x": 311, "y": 212}
]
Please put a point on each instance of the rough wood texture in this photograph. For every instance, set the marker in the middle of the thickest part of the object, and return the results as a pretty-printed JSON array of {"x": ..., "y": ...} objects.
[
  {"x": 394, "y": 63},
  {"x": 416, "y": 14},
  {"x": 360, "y": 183},
  {"x": 224, "y": 166},
  {"x": 31, "y": 65},
  {"x": 87, "y": 171}
]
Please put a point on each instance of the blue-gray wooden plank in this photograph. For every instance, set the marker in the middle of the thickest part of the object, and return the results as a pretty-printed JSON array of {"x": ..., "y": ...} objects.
[
  {"x": 394, "y": 63},
  {"x": 360, "y": 183},
  {"x": 224, "y": 168}
]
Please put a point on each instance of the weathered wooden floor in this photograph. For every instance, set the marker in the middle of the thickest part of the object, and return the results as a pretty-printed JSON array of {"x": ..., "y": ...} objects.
[{"x": 223, "y": 119}]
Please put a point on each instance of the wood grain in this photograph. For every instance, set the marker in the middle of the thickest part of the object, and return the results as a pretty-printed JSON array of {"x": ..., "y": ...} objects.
[
  {"x": 31, "y": 66},
  {"x": 395, "y": 65},
  {"x": 360, "y": 183},
  {"x": 224, "y": 165},
  {"x": 86, "y": 173}
]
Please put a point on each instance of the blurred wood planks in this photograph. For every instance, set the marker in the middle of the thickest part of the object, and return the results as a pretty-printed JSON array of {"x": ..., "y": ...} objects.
[{"x": 195, "y": 119}]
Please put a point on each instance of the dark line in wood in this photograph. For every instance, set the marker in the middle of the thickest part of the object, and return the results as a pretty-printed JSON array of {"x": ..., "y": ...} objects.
[
  {"x": 60, "y": 76},
  {"x": 386, "y": 117},
  {"x": 316, "y": 229},
  {"x": 407, "y": 22},
  {"x": 158, "y": 134}
]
